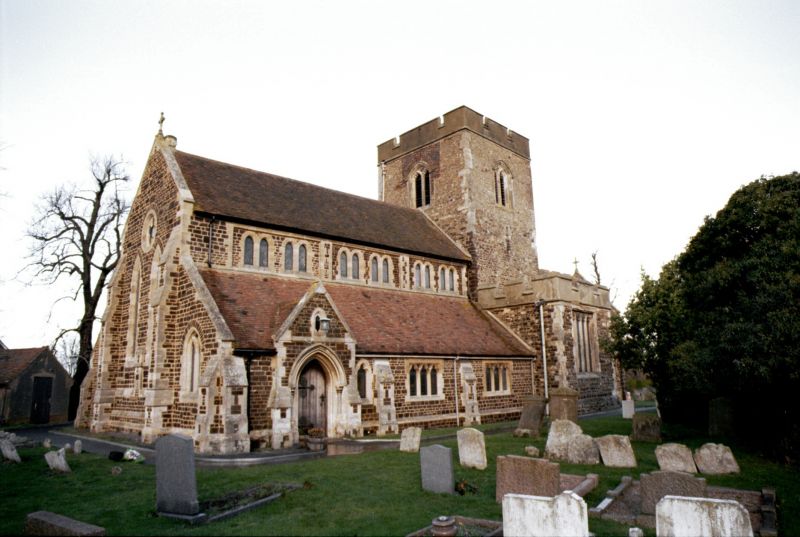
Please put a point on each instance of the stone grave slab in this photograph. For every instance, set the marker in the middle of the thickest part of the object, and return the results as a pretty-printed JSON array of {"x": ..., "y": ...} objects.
[
  {"x": 9, "y": 451},
  {"x": 526, "y": 475},
  {"x": 656, "y": 485},
  {"x": 675, "y": 458},
  {"x": 691, "y": 517},
  {"x": 176, "y": 484},
  {"x": 628, "y": 409},
  {"x": 646, "y": 428},
  {"x": 409, "y": 439},
  {"x": 57, "y": 461},
  {"x": 715, "y": 459},
  {"x": 616, "y": 451},
  {"x": 48, "y": 523},
  {"x": 471, "y": 448},
  {"x": 539, "y": 516},
  {"x": 560, "y": 437},
  {"x": 436, "y": 466}
]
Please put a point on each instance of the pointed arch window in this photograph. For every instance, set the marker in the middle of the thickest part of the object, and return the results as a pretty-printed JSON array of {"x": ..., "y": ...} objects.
[
  {"x": 288, "y": 257},
  {"x": 501, "y": 188},
  {"x": 263, "y": 253},
  {"x": 301, "y": 258},
  {"x": 374, "y": 269},
  {"x": 362, "y": 382},
  {"x": 422, "y": 188},
  {"x": 427, "y": 277},
  {"x": 412, "y": 381},
  {"x": 343, "y": 265},
  {"x": 248, "y": 250},
  {"x": 417, "y": 276},
  {"x": 354, "y": 267},
  {"x": 452, "y": 280},
  {"x": 385, "y": 271},
  {"x": 190, "y": 362},
  {"x": 423, "y": 380},
  {"x": 442, "y": 280}
]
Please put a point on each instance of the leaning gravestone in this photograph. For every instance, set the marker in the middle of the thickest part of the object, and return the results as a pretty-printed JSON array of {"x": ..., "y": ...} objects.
[
  {"x": 532, "y": 413},
  {"x": 57, "y": 461},
  {"x": 656, "y": 485},
  {"x": 9, "y": 451},
  {"x": 566, "y": 442},
  {"x": 675, "y": 458},
  {"x": 538, "y": 516},
  {"x": 471, "y": 448},
  {"x": 436, "y": 465},
  {"x": 176, "y": 485},
  {"x": 78, "y": 447},
  {"x": 525, "y": 475},
  {"x": 616, "y": 451},
  {"x": 715, "y": 459},
  {"x": 689, "y": 517},
  {"x": 409, "y": 439},
  {"x": 646, "y": 428}
]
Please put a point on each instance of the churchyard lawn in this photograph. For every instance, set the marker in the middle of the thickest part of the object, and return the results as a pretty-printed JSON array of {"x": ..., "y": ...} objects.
[{"x": 373, "y": 493}]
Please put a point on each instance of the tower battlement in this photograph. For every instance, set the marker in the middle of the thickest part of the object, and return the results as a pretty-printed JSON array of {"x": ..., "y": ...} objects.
[{"x": 453, "y": 121}]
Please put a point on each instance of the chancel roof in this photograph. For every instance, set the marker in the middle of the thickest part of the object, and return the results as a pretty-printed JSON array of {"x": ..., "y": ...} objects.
[
  {"x": 253, "y": 196},
  {"x": 382, "y": 321}
]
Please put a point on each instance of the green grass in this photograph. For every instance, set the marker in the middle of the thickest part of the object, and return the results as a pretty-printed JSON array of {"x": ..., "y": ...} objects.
[{"x": 374, "y": 493}]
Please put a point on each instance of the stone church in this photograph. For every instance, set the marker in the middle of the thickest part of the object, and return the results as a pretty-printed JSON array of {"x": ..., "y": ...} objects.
[{"x": 249, "y": 308}]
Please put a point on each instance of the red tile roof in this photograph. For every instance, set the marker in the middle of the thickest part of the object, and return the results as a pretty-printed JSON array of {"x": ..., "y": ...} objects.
[
  {"x": 245, "y": 194},
  {"x": 14, "y": 361},
  {"x": 383, "y": 321}
]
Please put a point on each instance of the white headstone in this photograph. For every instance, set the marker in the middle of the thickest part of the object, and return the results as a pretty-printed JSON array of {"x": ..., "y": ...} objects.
[
  {"x": 46, "y": 444},
  {"x": 78, "y": 447},
  {"x": 680, "y": 516},
  {"x": 57, "y": 460},
  {"x": 409, "y": 439},
  {"x": 540, "y": 516},
  {"x": 471, "y": 448},
  {"x": 560, "y": 437},
  {"x": 628, "y": 409},
  {"x": 9, "y": 451}
]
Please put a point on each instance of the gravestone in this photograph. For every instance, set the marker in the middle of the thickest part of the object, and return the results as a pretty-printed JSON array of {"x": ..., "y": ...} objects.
[
  {"x": 9, "y": 451},
  {"x": 628, "y": 409},
  {"x": 564, "y": 404},
  {"x": 539, "y": 516},
  {"x": 78, "y": 447},
  {"x": 471, "y": 448},
  {"x": 656, "y": 485},
  {"x": 409, "y": 439},
  {"x": 47, "y": 523},
  {"x": 675, "y": 458},
  {"x": 525, "y": 475},
  {"x": 616, "y": 451},
  {"x": 176, "y": 485},
  {"x": 532, "y": 413},
  {"x": 57, "y": 461},
  {"x": 532, "y": 451},
  {"x": 436, "y": 465},
  {"x": 646, "y": 428},
  {"x": 715, "y": 459},
  {"x": 583, "y": 450},
  {"x": 689, "y": 517},
  {"x": 559, "y": 438},
  {"x": 46, "y": 444},
  {"x": 720, "y": 417}
]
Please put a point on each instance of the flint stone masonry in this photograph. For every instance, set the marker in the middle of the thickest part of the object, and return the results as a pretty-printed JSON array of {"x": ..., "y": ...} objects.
[
  {"x": 692, "y": 517},
  {"x": 436, "y": 465},
  {"x": 409, "y": 439},
  {"x": 646, "y": 428},
  {"x": 538, "y": 516},
  {"x": 715, "y": 459},
  {"x": 9, "y": 451},
  {"x": 656, "y": 485},
  {"x": 616, "y": 451},
  {"x": 176, "y": 485},
  {"x": 57, "y": 461},
  {"x": 525, "y": 475},
  {"x": 675, "y": 458},
  {"x": 471, "y": 448},
  {"x": 628, "y": 409},
  {"x": 47, "y": 523}
]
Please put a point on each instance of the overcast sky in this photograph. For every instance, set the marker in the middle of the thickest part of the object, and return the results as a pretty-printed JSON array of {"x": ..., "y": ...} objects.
[{"x": 643, "y": 117}]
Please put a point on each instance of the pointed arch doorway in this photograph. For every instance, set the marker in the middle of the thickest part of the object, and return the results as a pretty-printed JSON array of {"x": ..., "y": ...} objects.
[{"x": 312, "y": 398}]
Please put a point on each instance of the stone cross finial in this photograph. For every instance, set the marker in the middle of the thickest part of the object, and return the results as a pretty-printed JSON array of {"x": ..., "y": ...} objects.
[
  {"x": 575, "y": 262},
  {"x": 161, "y": 124}
]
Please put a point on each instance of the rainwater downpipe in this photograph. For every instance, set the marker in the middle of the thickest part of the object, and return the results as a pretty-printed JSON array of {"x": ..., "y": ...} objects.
[
  {"x": 544, "y": 357},
  {"x": 455, "y": 386}
]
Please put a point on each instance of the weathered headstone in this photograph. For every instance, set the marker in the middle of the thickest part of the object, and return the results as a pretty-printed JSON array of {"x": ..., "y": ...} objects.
[
  {"x": 9, "y": 451},
  {"x": 176, "y": 485},
  {"x": 675, "y": 458},
  {"x": 532, "y": 451},
  {"x": 656, "y": 485},
  {"x": 720, "y": 417},
  {"x": 78, "y": 447},
  {"x": 532, "y": 413},
  {"x": 715, "y": 459},
  {"x": 539, "y": 516},
  {"x": 409, "y": 439},
  {"x": 564, "y": 404},
  {"x": 689, "y": 517},
  {"x": 635, "y": 532},
  {"x": 628, "y": 409},
  {"x": 436, "y": 465},
  {"x": 524, "y": 475},
  {"x": 46, "y": 444},
  {"x": 67, "y": 447},
  {"x": 57, "y": 461},
  {"x": 616, "y": 451},
  {"x": 47, "y": 523},
  {"x": 583, "y": 450},
  {"x": 471, "y": 448},
  {"x": 646, "y": 428},
  {"x": 559, "y": 438}
]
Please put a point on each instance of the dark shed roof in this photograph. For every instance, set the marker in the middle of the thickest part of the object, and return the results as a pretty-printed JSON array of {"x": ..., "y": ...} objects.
[{"x": 15, "y": 361}]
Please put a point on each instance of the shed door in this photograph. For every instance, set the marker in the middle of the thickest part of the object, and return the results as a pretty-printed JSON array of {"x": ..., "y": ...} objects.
[
  {"x": 311, "y": 394},
  {"x": 42, "y": 390}
]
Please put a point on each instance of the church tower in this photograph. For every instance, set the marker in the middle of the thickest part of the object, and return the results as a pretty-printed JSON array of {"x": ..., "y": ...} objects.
[{"x": 472, "y": 177}]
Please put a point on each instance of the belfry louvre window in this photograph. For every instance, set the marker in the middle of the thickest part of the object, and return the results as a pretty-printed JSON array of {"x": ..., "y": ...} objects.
[
  {"x": 422, "y": 188},
  {"x": 500, "y": 188},
  {"x": 497, "y": 378},
  {"x": 584, "y": 343},
  {"x": 424, "y": 381}
]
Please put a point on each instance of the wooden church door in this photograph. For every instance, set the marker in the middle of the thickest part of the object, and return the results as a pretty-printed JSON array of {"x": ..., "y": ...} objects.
[
  {"x": 313, "y": 404},
  {"x": 42, "y": 391}
]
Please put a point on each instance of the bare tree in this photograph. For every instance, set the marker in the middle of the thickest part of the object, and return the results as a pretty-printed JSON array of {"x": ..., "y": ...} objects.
[
  {"x": 67, "y": 351},
  {"x": 77, "y": 233},
  {"x": 595, "y": 269}
]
